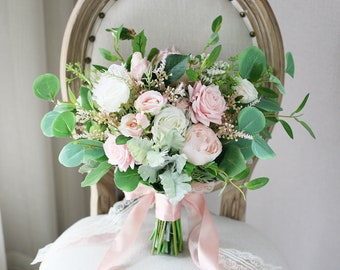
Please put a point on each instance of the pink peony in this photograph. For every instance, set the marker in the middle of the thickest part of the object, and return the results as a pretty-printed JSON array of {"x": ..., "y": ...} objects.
[
  {"x": 201, "y": 145},
  {"x": 132, "y": 125},
  {"x": 150, "y": 102},
  {"x": 207, "y": 104},
  {"x": 118, "y": 154},
  {"x": 139, "y": 66}
]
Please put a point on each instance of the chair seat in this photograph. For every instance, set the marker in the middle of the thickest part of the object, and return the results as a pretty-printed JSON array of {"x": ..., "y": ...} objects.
[{"x": 237, "y": 240}]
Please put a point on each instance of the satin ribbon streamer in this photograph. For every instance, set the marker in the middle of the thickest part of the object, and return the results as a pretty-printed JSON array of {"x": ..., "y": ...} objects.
[{"x": 203, "y": 238}]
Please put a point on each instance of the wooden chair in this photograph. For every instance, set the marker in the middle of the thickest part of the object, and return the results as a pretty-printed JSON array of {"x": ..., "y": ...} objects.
[{"x": 185, "y": 25}]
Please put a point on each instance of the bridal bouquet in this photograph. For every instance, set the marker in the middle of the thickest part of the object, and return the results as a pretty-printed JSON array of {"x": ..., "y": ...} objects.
[{"x": 167, "y": 120}]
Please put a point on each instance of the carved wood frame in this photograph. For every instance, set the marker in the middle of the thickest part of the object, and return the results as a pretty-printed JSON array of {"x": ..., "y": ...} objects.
[{"x": 77, "y": 37}]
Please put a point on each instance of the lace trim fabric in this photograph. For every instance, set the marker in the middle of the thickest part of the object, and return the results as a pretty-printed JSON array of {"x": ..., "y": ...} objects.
[{"x": 233, "y": 259}]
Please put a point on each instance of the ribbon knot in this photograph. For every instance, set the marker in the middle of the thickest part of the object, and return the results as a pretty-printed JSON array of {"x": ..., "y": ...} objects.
[{"x": 203, "y": 239}]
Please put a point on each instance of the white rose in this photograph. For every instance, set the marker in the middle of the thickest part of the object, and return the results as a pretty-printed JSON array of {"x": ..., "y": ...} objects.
[
  {"x": 247, "y": 90},
  {"x": 168, "y": 119},
  {"x": 112, "y": 89}
]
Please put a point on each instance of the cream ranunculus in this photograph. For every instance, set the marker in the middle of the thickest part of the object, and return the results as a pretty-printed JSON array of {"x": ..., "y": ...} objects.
[
  {"x": 150, "y": 102},
  {"x": 132, "y": 125},
  {"x": 168, "y": 119},
  {"x": 112, "y": 89},
  {"x": 201, "y": 145},
  {"x": 247, "y": 90}
]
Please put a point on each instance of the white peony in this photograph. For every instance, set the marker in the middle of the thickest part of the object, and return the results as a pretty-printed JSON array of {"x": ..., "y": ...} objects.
[
  {"x": 247, "y": 90},
  {"x": 112, "y": 89}
]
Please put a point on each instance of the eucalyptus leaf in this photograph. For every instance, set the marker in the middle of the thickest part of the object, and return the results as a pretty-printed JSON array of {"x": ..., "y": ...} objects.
[
  {"x": 277, "y": 83},
  {"x": 287, "y": 128},
  {"x": 268, "y": 105},
  {"x": 267, "y": 92},
  {"x": 251, "y": 120},
  {"x": 96, "y": 174},
  {"x": 139, "y": 43},
  {"x": 127, "y": 181},
  {"x": 176, "y": 65},
  {"x": 46, "y": 86},
  {"x": 252, "y": 63},
  {"x": 290, "y": 69},
  {"x": 63, "y": 125},
  {"x": 108, "y": 55},
  {"x": 47, "y": 122},
  {"x": 64, "y": 107},
  {"x": 261, "y": 149},
  {"x": 245, "y": 147},
  {"x": 71, "y": 155},
  {"x": 256, "y": 183}
]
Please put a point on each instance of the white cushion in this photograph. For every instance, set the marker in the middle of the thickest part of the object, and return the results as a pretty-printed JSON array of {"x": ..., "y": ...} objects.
[{"x": 233, "y": 234}]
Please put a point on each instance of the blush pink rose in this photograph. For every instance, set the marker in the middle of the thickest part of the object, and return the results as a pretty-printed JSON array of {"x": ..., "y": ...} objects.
[
  {"x": 118, "y": 154},
  {"x": 139, "y": 66},
  {"x": 132, "y": 125},
  {"x": 150, "y": 102},
  {"x": 201, "y": 145},
  {"x": 207, "y": 104}
]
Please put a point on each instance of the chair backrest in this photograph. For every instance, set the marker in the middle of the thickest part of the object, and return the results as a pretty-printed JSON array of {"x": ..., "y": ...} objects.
[{"x": 184, "y": 24}]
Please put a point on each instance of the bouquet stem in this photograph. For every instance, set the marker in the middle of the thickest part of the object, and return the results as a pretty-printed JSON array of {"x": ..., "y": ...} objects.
[{"x": 167, "y": 237}]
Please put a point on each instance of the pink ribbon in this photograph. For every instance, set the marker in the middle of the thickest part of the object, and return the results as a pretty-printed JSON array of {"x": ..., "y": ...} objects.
[{"x": 203, "y": 238}]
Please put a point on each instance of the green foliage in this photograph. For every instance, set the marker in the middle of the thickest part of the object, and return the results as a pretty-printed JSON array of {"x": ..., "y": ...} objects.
[
  {"x": 152, "y": 54},
  {"x": 233, "y": 162},
  {"x": 276, "y": 81},
  {"x": 127, "y": 181},
  {"x": 46, "y": 86},
  {"x": 261, "y": 149},
  {"x": 86, "y": 98},
  {"x": 63, "y": 125},
  {"x": 176, "y": 65},
  {"x": 287, "y": 128},
  {"x": 251, "y": 120},
  {"x": 47, "y": 123},
  {"x": 252, "y": 63},
  {"x": 216, "y": 25},
  {"x": 269, "y": 105},
  {"x": 215, "y": 53},
  {"x": 139, "y": 43},
  {"x": 256, "y": 183},
  {"x": 192, "y": 75},
  {"x": 290, "y": 67},
  {"x": 96, "y": 174},
  {"x": 108, "y": 55}
]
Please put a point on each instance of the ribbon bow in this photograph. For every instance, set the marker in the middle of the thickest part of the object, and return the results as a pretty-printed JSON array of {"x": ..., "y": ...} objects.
[{"x": 203, "y": 239}]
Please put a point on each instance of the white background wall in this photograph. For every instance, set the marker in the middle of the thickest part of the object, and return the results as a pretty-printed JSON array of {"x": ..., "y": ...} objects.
[{"x": 297, "y": 210}]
